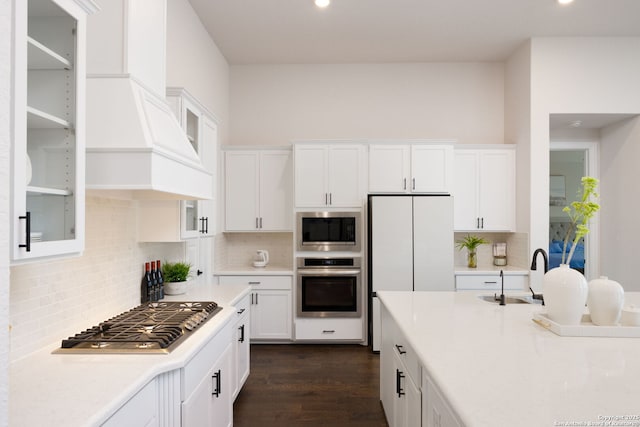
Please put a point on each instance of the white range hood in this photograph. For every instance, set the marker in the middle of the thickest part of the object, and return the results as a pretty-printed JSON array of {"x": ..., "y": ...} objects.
[{"x": 135, "y": 144}]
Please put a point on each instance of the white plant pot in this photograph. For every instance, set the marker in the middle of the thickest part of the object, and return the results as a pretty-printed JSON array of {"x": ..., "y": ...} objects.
[
  {"x": 605, "y": 301},
  {"x": 175, "y": 288},
  {"x": 565, "y": 295}
]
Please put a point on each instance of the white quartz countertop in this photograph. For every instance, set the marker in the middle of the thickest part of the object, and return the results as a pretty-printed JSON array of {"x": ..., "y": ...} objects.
[
  {"x": 85, "y": 390},
  {"x": 496, "y": 367}
]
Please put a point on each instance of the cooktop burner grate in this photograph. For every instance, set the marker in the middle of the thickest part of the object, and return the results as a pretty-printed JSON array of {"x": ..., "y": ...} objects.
[{"x": 156, "y": 327}]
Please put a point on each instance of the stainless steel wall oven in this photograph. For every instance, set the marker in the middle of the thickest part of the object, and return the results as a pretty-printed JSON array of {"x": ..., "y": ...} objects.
[
  {"x": 329, "y": 287},
  {"x": 328, "y": 231}
]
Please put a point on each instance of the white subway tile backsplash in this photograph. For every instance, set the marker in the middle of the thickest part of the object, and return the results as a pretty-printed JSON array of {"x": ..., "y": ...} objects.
[
  {"x": 54, "y": 299},
  {"x": 236, "y": 250}
]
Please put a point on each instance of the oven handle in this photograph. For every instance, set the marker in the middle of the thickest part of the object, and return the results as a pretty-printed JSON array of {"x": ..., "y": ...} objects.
[{"x": 327, "y": 272}]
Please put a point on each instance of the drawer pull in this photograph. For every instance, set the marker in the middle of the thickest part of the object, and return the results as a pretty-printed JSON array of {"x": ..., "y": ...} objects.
[
  {"x": 241, "y": 310},
  {"x": 491, "y": 283},
  {"x": 328, "y": 331},
  {"x": 400, "y": 349},
  {"x": 254, "y": 283}
]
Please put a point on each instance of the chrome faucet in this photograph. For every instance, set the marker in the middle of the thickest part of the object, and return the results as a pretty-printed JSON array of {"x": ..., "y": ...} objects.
[{"x": 534, "y": 266}]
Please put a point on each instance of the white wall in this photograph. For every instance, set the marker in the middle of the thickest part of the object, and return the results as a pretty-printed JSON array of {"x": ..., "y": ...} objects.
[
  {"x": 577, "y": 75},
  {"x": 620, "y": 201},
  {"x": 195, "y": 63},
  {"x": 274, "y": 104},
  {"x": 5, "y": 144}
]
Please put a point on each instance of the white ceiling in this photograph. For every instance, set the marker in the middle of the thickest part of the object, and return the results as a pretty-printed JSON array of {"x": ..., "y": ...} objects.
[{"x": 373, "y": 31}]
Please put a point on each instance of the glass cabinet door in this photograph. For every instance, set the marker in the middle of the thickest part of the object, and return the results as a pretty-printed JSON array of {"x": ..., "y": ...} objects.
[{"x": 48, "y": 136}]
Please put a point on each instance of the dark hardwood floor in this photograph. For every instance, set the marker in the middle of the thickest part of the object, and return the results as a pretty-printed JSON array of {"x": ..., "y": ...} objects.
[{"x": 310, "y": 385}]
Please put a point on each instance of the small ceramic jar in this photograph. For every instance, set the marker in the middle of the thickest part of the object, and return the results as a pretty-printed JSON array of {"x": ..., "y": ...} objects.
[
  {"x": 605, "y": 301},
  {"x": 630, "y": 316}
]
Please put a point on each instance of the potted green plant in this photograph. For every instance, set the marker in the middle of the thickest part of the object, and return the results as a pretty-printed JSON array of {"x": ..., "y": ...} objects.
[
  {"x": 175, "y": 275},
  {"x": 471, "y": 243}
]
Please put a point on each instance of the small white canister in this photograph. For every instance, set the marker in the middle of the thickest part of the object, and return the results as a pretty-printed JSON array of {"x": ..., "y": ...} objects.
[{"x": 605, "y": 301}]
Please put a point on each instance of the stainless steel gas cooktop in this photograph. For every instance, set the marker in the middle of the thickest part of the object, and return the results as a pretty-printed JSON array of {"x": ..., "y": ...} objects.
[{"x": 157, "y": 327}]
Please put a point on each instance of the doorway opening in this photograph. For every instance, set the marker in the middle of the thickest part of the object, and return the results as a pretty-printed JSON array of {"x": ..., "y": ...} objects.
[{"x": 568, "y": 163}]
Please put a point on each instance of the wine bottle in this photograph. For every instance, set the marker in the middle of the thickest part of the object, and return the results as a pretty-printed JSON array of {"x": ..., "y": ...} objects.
[
  {"x": 155, "y": 294},
  {"x": 144, "y": 286},
  {"x": 160, "y": 278}
]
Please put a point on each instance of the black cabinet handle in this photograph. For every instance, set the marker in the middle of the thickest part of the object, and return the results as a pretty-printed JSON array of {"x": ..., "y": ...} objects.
[
  {"x": 27, "y": 243},
  {"x": 330, "y": 196},
  {"x": 204, "y": 225},
  {"x": 241, "y": 311},
  {"x": 199, "y": 272},
  {"x": 260, "y": 222},
  {"x": 399, "y": 377},
  {"x": 482, "y": 222},
  {"x": 404, "y": 183},
  {"x": 329, "y": 331},
  {"x": 217, "y": 389},
  {"x": 241, "y": 333},
  {"x": 413, "y": 185},
  {"x": 400, "y": 350},
  {"x": 254, "y": 283}
]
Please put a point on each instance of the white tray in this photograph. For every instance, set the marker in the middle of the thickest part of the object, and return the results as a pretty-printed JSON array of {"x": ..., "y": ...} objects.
[{"x": 585, "y": 328}]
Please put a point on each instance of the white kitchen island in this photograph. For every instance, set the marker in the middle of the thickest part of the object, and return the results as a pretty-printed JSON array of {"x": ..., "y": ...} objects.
[
  {"x": 87, "y": 390},
  {"x": 493, "y": 366}
]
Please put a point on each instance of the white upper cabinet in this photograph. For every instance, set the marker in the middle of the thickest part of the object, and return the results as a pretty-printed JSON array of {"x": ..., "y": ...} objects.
[
  {"x": 411, "y": 168},
  {"x": 329, "y": 175},
  {"x": 258, "y": 190},
  {"x": 48, "y": 157},
  {"x": 175, "y": 220},
  {"x": 484, "y": 189}
]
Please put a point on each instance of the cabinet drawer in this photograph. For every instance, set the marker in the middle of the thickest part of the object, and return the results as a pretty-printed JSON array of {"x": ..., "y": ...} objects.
[
  {"x": 259, "y": 282},
  {"x": 197, "y": 368},
  {"x": 491, "y": 282},
  {"x": 329, "y": 329},
  {"x": 407, "y": 355}
]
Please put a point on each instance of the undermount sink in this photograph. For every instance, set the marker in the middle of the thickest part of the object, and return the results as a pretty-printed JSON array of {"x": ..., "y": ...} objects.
[{"x": 508, "y": 300}]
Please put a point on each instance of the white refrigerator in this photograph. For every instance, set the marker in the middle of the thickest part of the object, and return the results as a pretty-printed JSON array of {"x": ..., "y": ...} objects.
[{"x": 410, "y": 248}]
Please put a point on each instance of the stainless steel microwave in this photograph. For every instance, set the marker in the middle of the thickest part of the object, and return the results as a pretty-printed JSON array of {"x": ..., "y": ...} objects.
[{"x": 328, "y": 231}]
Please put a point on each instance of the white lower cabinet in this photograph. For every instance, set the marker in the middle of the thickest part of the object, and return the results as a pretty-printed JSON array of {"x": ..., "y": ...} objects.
[
  {"x": 491, "y": 282},
  {"x": 329, "y": 329},
  {"x": 241, "y": 345},
  {"x": 271, "y": 306},
  {"x": 409, "y": 396},
  {"x": 399, "y": 377},
  {"x": 208, "y": 394},
  {"x": 435, "y": 410}
]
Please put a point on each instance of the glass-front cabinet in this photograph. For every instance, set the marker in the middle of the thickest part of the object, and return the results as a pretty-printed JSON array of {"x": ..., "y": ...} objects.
[{"x": 48, "y": 137}]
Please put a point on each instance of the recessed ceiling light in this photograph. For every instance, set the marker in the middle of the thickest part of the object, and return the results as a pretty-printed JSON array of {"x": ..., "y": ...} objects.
[
  {"x": 565, "y": 1},
  {"x": 576, "y": 123},
  {"x": 322, "y": 3}
]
